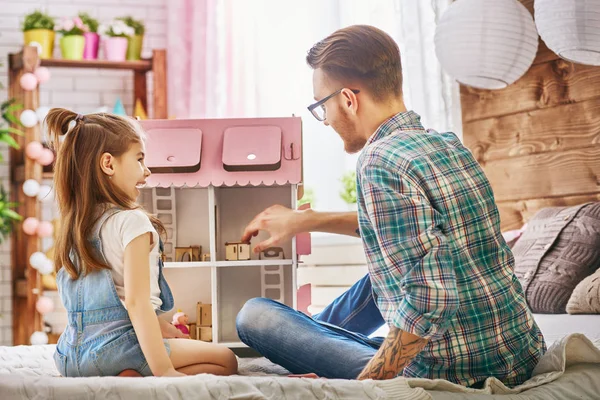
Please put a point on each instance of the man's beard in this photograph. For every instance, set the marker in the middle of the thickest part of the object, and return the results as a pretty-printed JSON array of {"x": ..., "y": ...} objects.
[{"x": 353, "y": 141}]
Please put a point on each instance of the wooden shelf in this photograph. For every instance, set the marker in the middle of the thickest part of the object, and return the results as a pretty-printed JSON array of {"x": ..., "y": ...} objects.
[
  {"x": 145, "y": 65},
  {"x": 141, "y": 65}
]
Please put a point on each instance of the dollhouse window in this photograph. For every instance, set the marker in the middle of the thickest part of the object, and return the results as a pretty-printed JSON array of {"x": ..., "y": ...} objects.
[
  {"x": 175, "y": 150},
  {"x": 252, "y": 148}
]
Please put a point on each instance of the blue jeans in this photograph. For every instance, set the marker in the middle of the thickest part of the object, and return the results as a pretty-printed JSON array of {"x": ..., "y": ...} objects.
[{"x": 332, "y": 344}]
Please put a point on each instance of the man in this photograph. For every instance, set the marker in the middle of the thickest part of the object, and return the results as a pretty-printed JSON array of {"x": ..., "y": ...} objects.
[{"x": 441, "y": 273}]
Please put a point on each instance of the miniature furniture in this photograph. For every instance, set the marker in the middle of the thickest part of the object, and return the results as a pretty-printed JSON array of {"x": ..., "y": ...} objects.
[{"x": 210, "y": 177}]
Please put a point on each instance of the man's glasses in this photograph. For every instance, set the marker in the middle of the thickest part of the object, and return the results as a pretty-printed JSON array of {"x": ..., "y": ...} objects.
[{"x": 318, "y": 109}]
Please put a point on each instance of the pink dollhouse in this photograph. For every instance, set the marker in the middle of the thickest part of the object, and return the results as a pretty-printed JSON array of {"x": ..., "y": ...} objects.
[{"x": 210, "y": 177}]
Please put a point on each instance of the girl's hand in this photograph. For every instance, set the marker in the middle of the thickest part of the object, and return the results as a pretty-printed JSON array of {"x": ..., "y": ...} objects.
[{"x": 171, "y": 373}]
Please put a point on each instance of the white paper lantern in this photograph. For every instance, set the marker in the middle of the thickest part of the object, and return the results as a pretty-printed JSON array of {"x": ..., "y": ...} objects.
[
  {"x": 45, "y": 194},
  {"x": 28, "y": 118},
  {"x": 487, "y": 44},
  {"x": 31, "y": 187},
  {"x": 570, "y": 28},
  {"x": 38, "y": 338}
]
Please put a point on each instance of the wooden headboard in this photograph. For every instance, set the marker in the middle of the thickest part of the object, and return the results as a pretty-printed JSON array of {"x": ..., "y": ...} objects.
[{"x": 538, "y": 140}]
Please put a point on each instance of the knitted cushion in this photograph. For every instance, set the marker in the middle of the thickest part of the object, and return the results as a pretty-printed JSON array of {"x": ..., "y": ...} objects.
[
  {"x": 586, "y": 296},
  {"x": 559, "y": 248}
]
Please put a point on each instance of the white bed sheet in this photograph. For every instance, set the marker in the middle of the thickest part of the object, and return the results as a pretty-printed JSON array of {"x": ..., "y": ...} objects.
[
  {"x": 557, "y": 326},
  {"x": 570, "y": 370}
]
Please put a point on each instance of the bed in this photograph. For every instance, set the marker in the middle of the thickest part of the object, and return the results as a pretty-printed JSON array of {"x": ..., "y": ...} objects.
[{"x": 569, "y": 370}]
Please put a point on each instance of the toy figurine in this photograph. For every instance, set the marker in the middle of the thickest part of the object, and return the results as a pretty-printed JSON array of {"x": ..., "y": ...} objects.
[{"x": 180, "y": 320}]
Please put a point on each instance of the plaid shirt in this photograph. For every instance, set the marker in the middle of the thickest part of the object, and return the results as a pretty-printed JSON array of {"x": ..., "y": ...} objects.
[{"x": 439, "y": 266}]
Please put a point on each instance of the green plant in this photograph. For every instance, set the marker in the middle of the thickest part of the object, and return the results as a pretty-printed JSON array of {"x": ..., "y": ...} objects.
[
  {"x": 7, "y": 215},
  {"x": 7, "y": 109},
  {"x": 71, "y": 27},
  {"x": 38, "y": 20},
  {"x": 136, "y": 24},
  {"x": 307, "y": 197},
  {"x": 348, "y": 192},
  {"x": 91, "y": 23}
]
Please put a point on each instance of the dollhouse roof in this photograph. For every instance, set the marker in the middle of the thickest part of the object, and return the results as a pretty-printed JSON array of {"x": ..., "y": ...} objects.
[{"x": 224, "y": 152}]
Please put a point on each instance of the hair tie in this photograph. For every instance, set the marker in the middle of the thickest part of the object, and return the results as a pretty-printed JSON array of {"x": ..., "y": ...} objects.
[{"x": 79, "y": 117}]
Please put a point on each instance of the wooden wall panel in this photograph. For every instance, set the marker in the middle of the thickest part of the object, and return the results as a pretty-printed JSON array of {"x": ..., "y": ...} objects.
[
  {"x": 538, "y": 140},
  {"x": 545, "y": 85},
  {"x": 571, "y": 126}
]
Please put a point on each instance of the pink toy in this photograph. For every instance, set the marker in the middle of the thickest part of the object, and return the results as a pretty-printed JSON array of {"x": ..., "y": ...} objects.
[
  {"x": 42, "y": 74},
  {"x": 45, "y": 229},
  {"x": 46, "y": 157},
  {"x": 44, "y": 305},
  {"x": 180, "y": 320},
  {"x": 28, "y": 81},
  {"x": 30, "y": 225},
  {"x": 34, "y": 150},
  {"x": 199, "y": 152}
]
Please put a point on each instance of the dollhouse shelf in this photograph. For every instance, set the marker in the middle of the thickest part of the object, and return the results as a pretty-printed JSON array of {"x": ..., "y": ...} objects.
[{"x": 223, "y": 264}]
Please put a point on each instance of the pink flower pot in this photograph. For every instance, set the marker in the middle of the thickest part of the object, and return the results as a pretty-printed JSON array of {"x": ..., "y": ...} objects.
[
  {"x": 115, "y": 48},
  {"x": 92, "y": 42}
]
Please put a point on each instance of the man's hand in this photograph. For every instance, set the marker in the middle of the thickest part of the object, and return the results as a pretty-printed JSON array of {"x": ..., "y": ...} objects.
[
  {"x": 280, "y": 222},
  {"x": 396, "y": 351}
]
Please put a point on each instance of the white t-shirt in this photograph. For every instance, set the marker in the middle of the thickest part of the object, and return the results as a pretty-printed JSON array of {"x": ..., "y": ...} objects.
[{"x": 116, "y": 233}]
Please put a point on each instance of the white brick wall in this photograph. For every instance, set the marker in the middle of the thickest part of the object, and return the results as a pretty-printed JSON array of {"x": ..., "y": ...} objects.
[{"x": 81, "y": 90}]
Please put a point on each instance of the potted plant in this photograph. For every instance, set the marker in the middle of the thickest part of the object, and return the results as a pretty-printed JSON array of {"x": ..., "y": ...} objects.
[
  {"x": 134, "y": 48},
  {"x": 115, "y": 44},
  {"x": 348, "y": 192},
  {"x": 72, "y": 41},
  {"x": 38, "y": 30},
  {"x": 92, "y": 39}
]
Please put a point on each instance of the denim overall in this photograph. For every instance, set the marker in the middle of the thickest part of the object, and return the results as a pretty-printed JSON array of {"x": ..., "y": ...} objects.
[{"x": 99, "y": 339}]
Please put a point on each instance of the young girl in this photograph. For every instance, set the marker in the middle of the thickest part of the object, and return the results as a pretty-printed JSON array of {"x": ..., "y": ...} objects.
[{"x": 110, "y": 278}]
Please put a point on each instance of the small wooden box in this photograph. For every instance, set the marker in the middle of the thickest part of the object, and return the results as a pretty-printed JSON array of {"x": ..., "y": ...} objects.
[
  {"x": 206, "y": 257},
  {"x": 236, "y": 251},
  {"x": 203, "y": 314},
  {"x": 188, "y": 254},
  {"x": 193, "y": 331},
  {"x": 204, "y": 333}
]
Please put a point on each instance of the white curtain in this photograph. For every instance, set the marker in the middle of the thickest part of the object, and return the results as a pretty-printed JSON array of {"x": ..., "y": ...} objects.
[{"x": 252, "y": 64}]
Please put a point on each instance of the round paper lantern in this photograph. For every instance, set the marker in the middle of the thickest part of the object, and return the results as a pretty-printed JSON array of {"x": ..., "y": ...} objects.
[
  {"x": 28, "y": 118},
  {"x": 46, "y": 194},
  {"x": 42, "y": 74},
  {"x": 46, "y": 157},
  {"x": 38, "y": 338},
  {"x": 34, "y": 149},
  {"x": 570, "y": 28},
  {"x": 41, "y": 113},
  {"x": 487, "y": 44},
  {"x": 31, "y": 187},
  {"x": 44, "y": 305},
  {"x": 37, "y": 259},
  {"x": 30, "y": 226},
  {"x": 46, "y": 267},
  {"x": 28, "y": 81},
  {"x": 45, "y": 229}
]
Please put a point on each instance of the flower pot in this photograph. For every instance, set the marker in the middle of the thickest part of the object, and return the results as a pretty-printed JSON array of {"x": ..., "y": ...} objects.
[
  {"x": 42, "y": 37},
  {"x": 134, "y": 48},
  {"x": 71, "y": 47},
  {"x": 115, "y": 48},
  {"x": 92, "y": 43}
]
